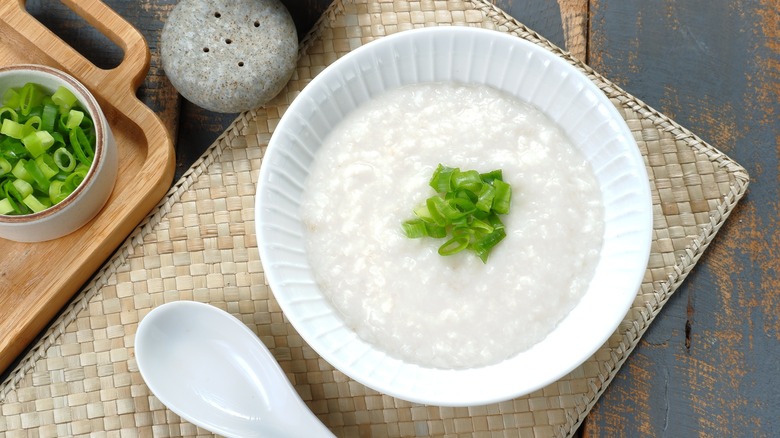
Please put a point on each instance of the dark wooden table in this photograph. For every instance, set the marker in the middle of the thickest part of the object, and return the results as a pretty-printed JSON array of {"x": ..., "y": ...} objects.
[{"x": 710, "y": 363}]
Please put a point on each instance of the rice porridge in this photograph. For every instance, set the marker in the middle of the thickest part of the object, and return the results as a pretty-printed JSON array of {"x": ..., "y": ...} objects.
[{"x": 399, "y": 293}]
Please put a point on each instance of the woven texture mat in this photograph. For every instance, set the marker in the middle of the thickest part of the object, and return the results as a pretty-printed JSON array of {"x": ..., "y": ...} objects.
[{"x": 199, "y": 244}]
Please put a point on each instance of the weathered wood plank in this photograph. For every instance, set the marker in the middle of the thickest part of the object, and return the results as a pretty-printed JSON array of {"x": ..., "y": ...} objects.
[
  {"x": 542, "y": 16},
  {"x": 709, "y": 364},
  {"x": 574, "y": 16},
  {"x": 565, "y": 22}
]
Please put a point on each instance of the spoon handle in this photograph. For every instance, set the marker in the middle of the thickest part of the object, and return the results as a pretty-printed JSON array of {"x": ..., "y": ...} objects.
[{"x": 309, "y": 426}]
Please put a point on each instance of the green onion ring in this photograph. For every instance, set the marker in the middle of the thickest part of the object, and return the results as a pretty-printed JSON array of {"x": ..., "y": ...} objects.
[{"x": 64, "y": 160}]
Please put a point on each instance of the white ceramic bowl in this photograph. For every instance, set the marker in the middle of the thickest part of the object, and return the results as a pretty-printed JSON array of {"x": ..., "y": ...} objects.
[
  {"x": 465, "y": 55},
  {"x": 86, "y": 201}
]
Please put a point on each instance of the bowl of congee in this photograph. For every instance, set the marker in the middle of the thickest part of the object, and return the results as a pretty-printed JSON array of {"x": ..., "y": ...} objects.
[{"x": 453, "y": 216}]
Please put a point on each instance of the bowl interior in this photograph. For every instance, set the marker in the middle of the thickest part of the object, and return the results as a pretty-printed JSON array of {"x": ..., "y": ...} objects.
[
  {"x": 50, "y": 79},
  {"x": 466, "y": 55}
]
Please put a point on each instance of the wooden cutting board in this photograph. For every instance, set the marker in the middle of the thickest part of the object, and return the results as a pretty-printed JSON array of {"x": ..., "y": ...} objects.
[{"x": 38, "y": 279}]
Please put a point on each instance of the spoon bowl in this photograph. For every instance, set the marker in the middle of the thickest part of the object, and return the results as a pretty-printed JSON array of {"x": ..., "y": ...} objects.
[{"x": 210, "y": 369}]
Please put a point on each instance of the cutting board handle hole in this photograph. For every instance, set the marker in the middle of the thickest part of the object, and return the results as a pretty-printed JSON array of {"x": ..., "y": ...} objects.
[{"x": 76, "y": 32}]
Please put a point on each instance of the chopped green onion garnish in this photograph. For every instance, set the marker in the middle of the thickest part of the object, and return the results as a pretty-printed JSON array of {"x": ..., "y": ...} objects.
[
  {"x": 41, "y": 182},
  {"x": 466, "y": 207},
  {"x": 48, "y": 117},
  {"x": 489, "y": 177},
  {"x": 64, "y": 160},
  {"x": 58, "y": 191},
  {"x": 5, "y": 206},
  {"x": 14, "y": 129},
  {"x": 485, "y": 198},
  {"x": 14, "y": 197},
  {"x": 8, "y": 113},
  {"x": 74, "y": 119},
  {"x": 440, "y": 181},
  {"x": 21, "y": 172},
  {"x": 25, "y": 189},
  {"x": 80, "y": 146},
  {"x": 33, "y": 122},
  {"x": 47, "y": 143},
  {"x": 435, "y": 231},
  {"x": 454, "y": 245},
  {"x": 5, "y": 167},
  {"x": 414, "y": 228},
  {"x": 46, "y": 163},
  {"x": 74, "y": 179},
  {"x": 38, "y": 142},
  {"x": 30, "y": 96},
  {"x": 502, "y": 197},
  {"x": 469, "y": 180},
  {"x": 64, "y": 99},
  {"x": 36, "y": 204},
  {"x": 483, "y": 246},
  {"x": 11, "y": 98}
]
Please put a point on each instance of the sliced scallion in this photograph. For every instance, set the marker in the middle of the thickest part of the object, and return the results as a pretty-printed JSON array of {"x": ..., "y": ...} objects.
[
  {"x": 5, "y": 167},
  {"x": 36, "y": 204},
  {"x": 47, "y": 143},
  {"x": 48, "y": 167},
  {"x": 454, "y": 245},
  {"x": 81, "y": 148},
  {"x": 64, "y": 160},
  {"x": 14, "y": 129},
  {"x": 502, "y": 198},
  {"x": 20, "y": 171},
  {"x": 8, "y": 113},
  {"x": 5, "y": 206},
  {"x": 41, "y": 182},
  {"x": 11, "y": 98},
  {"x": 38, "y": 142},
  {"x": 64, "y": 99},
  {"x": 74, "y": 119},
  {"x": 466, "y": 207},
  {"x": 25, "y": 189},
  {"x": 48, "y": 117},
  {"x": 30, "y": 96},
  {"x": 414, "y": 228},
  {"x": 58, "y": 192}
]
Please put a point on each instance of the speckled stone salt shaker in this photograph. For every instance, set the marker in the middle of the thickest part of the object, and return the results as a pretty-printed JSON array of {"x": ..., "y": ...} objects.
[{"x": 229, "y": 55}]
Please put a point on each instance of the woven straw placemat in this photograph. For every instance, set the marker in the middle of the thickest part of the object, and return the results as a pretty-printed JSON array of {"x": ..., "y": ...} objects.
[{"x": 199, "y": 244}]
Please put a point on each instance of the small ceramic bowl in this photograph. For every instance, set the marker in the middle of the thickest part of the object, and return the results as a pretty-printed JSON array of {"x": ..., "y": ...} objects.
[{"x": 91, "y": 195}]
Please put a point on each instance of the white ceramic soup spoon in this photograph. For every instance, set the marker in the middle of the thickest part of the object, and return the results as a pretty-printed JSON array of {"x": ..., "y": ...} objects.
[{"x": 210, "y": 369}]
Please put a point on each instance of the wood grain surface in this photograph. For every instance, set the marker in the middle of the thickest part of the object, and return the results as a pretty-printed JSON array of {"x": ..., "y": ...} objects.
[{"x": 710, "y": 363}]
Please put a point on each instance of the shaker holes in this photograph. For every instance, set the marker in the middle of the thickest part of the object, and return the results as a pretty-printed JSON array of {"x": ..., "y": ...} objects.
[{"x": 229, "y": 40}]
